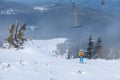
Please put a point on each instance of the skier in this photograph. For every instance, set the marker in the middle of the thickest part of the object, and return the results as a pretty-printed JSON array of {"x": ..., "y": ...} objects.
[{"x": 81, "y": 54}]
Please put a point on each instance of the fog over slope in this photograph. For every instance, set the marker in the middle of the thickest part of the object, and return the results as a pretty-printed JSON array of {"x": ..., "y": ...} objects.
[{"x": 58, "y": 21}]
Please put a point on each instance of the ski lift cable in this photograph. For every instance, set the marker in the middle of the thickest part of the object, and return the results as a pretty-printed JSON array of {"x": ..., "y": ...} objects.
[
  {"x": 82, "y": 4},
  {"x": 74, "y": 6},
  {"x": 75, "y": 13},
  {"x": 56, "y": 3},
  {"x": 60, "y": 2}
]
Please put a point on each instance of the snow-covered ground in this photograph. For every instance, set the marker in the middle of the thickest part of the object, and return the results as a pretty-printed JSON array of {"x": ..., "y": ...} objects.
[{"x": 36, "y": 63}]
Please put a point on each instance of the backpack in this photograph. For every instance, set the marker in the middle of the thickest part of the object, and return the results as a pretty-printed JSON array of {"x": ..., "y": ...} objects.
[{"x": 81, "y": 53}]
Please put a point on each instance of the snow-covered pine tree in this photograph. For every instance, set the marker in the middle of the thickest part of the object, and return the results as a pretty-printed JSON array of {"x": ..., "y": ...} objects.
[
  {"x": 98, "y": 49},
  {"x": 90, "y": 49},
  {"x": 10, "y": 38},
  {"x": 16, "y": 37},
  {"x": 20, "y": 35}
]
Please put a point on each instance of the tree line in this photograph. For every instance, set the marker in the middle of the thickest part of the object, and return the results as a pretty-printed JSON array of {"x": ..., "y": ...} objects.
[{"x": 93, "y": 50}]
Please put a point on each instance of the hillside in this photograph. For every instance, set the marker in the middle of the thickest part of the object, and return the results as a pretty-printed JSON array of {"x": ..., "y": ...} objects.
[{"x": 35, "y": 63}]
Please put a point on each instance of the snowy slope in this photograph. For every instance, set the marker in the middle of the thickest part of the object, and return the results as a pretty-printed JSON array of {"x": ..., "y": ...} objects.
[{"x": 35, "y": 63}]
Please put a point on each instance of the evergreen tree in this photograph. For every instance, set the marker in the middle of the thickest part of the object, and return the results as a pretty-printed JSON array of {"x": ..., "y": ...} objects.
[
  {"x": 10, "y": 38},
  {"x": 98, "y": 49},
  {"x": 90, "y": 49},
  {"x": 16, "y": 37},
  {"x": 20, "y": 35}
]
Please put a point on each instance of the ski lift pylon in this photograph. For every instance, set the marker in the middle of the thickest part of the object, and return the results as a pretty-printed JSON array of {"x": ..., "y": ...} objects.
[{"x": 75, "y": 15}]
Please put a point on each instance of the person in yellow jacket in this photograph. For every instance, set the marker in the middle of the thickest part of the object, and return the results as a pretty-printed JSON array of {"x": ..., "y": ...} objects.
[{"x": 81, "y": 54}]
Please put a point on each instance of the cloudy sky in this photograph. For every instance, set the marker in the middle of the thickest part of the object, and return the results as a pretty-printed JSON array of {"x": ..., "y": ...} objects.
[
  {"x": 26, "y": 1},
  {"x": 110, "y": 5},
  {"x": 32, "y": 1}
]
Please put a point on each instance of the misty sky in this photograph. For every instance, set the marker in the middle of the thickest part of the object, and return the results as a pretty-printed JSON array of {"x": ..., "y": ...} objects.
[
  {"x": 32, "y": 1},
  {"x": 94, "y": 1},
  {"x": 110, "y": 5},
  {"x": 26, "y": 1}
]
